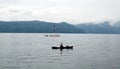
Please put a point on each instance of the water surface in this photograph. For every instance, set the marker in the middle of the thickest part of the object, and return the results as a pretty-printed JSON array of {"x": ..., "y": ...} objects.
[{"x": 33, "y": 51}]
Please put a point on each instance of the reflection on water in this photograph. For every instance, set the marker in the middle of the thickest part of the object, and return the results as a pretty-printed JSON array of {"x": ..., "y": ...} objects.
[{"x": 33, "y": 51}]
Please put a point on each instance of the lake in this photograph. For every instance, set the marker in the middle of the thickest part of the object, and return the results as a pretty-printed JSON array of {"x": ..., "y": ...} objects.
[{"x": 33, "y": 51}]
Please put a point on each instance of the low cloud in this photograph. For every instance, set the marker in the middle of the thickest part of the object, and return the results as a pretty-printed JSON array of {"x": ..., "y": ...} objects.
[
  {"x": 72, "y": 11},
  {"x": 10, "y": 13}
]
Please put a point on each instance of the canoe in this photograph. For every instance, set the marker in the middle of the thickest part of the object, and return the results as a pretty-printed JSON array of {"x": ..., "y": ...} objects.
[{"x": 66, "y": 47}]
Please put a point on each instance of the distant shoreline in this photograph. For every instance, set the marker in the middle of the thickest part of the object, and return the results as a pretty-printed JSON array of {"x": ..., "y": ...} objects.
[
  {"x": 52, "y": 33},
  {"x": 63, "y": 27}
]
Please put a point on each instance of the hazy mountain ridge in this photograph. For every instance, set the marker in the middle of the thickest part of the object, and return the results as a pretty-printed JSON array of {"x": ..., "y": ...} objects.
[
  {"x": 37, "y": 27},
  {"x": 63, "y": 27},
  {"x": 102, "y": 28}
]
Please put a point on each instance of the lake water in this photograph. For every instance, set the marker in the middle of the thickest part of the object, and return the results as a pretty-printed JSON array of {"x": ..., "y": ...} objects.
[{"x": 33, "y": 51}]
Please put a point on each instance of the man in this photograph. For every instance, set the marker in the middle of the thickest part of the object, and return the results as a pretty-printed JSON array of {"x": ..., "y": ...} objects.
[{"x": 61, "y": 47}]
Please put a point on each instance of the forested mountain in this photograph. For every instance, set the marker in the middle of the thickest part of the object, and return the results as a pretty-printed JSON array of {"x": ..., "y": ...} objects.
[{"x": 37, "y": 27}]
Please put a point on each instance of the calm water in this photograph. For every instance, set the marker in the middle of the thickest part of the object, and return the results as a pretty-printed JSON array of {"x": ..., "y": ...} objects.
[{"x": 33, "y": 51}]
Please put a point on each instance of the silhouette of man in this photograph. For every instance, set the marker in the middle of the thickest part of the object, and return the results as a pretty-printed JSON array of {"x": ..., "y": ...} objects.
[{"x": 61, "y": 46}]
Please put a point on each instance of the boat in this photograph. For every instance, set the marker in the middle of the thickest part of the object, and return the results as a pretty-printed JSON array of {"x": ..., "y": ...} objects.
[
  {"x": 66, "y": 47},
  {"x": 61, "y": 47},
  {"x": 52, "y": 35}
]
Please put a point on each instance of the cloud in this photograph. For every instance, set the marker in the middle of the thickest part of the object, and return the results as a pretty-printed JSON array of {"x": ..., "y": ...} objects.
[
  {"x": 2, "y": 6},
  {"x": 13, "y": 13},
  {"x": 73, "y": 11}
]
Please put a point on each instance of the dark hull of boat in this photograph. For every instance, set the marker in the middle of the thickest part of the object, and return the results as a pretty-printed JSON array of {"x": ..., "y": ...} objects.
[{"x": 67, "y": 47}]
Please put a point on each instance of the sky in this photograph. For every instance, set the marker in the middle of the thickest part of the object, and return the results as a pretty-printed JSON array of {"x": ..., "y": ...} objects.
[{"x": 72, "y": 11}]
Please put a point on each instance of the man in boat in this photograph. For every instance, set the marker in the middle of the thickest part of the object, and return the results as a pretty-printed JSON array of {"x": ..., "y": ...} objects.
[{"x": 61, "y": 46}]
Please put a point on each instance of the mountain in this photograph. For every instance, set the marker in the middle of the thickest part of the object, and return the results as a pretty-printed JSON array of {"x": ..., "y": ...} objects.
[
  {"x": 63, "y": 27},
  {"x": 37, "y": 27},
  {"x": 101, "y": 28}
]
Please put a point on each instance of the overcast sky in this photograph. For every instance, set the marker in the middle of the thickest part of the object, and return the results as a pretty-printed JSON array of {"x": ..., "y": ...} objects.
[{"x": 72, "y": 11}]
